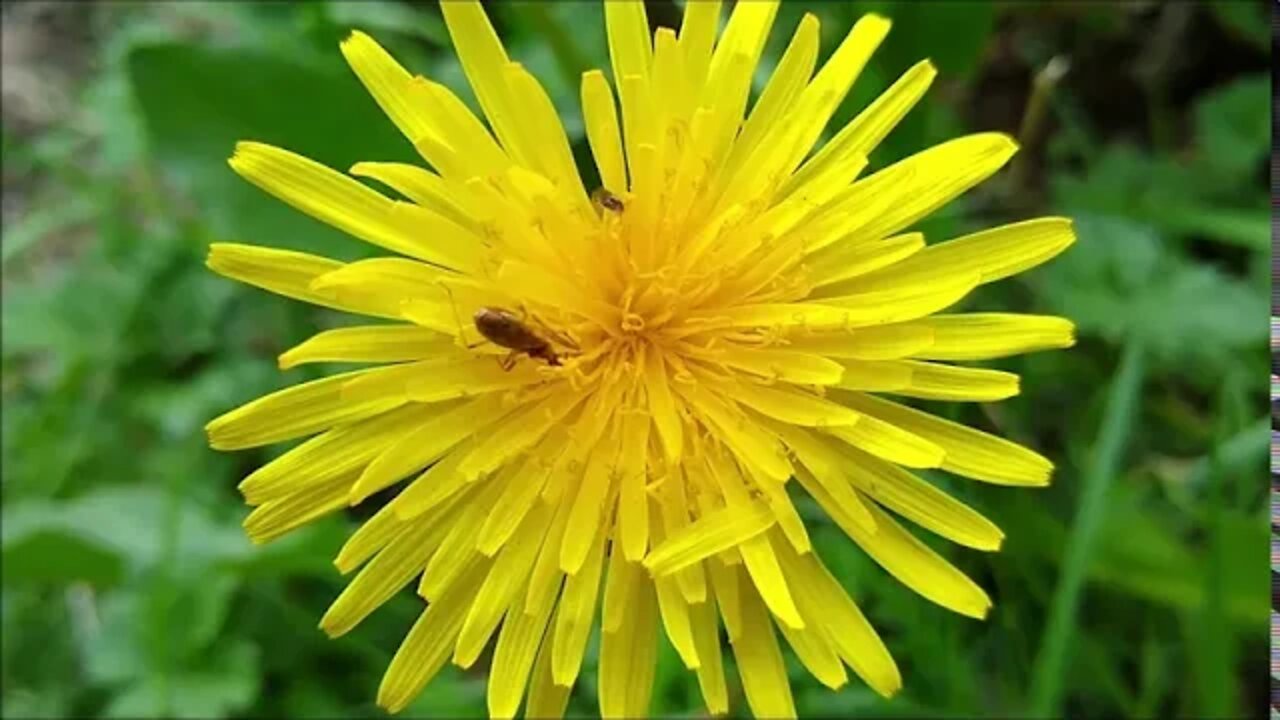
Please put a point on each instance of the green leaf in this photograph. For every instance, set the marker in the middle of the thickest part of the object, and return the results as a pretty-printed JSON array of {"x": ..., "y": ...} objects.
[
  {"x": 1120, "y": 280},
  {"x": 1233, "y": 125},
  {"x": 385, "y": 16},
  {"x": 223, "y": 687},
  {"x": 198, "y": 102}
]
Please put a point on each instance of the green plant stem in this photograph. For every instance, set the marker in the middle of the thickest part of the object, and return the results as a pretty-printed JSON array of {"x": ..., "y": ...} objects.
[{"x": 1051, "y": 663}]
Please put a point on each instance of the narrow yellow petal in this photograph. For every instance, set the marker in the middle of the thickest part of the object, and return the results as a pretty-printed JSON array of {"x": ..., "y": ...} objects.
[
  {"x": 661, "y": 403},
  {"x": 816, "y": 653},
  {"x": 982, "y": 336},
  {"x": 540, "y": 125},
  {"x": 576, "y": 614},
  {"x": 920, "y": 568},
  {"x": 710, "y": 670},
  {"x": 470, "y": 378},
  {"x": 547, "y": 699},
  {"x": 991, "y": 254},
  {"x": 786, "y": 364},
  {"x": 589, "y": 506},
  {"x": 936, "y": 381},
  {"x": 968, "y": 452},
  {"x": 354, "y": 208},
  {"x": 697, "y": 35},
  {"x": 342, "y": 450},
  {"x": 709, "y": 535},
  {"x": 426, "y": 444},
  {"x": 520, "y": 431},
  {"x": 295, "y": 411},
  {"x": 931, "y": 178},
  {"x": 426, "y": 189},
  {"x": 291, "y": 274},
  {"x": 282, "y": 515},
  {"x": 506, "y": 578},
  {"x": 599, "y": 115},
  {"x": 917, "y": 500},
  {"x": 485, "y": 61},
  {"x": 628, "y": 656},
  {"x": 389, "y": 571},
  {"x": 746, "y": 438},
  {"x": 891, "y": 442},
  {"x": 733, "y": 63},
  {"x": 389, "y": 85},
  {"x": 848, "y": 630},
  {"x": 768, "y": 582},
  {"x": 527, "y": 478},
  {"x": 795, "y": 407},
  {"x": 633, "y": 502},
  {"x": 675, "y": 620},
  {"x": 428, "y": 644},
  {"x": 386, "y": 525},
  {"x": 438, "y": 484},
  {"x": 545, "y": 580},
  {"x": 793, "y": 71},
  {"x": 366, "y": 343},
  {"x": 820, "y": 99},
  {"x": 518, "y": 643},
  {"x": 764, "y": 675},
  {"x": 899, "y": 301},
  {"x": 865, "y": 131},
  {"x": 827, "y": 466},
  {"x": 875, "y": 375},
  {"x": 884, "y": 342},
  {"x": 724, "y": 582},
  {"x": 843, "y": 261},
  {"x": 457, "y": 551}
]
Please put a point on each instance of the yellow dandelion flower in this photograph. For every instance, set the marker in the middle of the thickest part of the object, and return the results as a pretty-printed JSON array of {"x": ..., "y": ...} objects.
[{"x": 598, "y": 405}]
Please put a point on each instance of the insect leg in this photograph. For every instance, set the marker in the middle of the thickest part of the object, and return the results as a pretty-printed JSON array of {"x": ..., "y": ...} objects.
[{"x": 458, "y": 319}]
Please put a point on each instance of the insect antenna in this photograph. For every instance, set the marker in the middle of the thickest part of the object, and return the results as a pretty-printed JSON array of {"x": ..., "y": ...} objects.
[{"x": 462, "y": 336}]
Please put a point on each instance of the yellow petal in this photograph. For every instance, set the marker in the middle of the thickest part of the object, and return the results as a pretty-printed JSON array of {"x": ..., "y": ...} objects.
[
  {"x": 853, "y": 637},
  {"x": 724, "y": 581},
  {"x": 547, "y": 699},
  {"x": 675, "y": 620},
  {"x": 469, "y": 378},
  {"x": 457, "y": 551},
  {"x": 990, "y": 255},
  {"x": 896, "y": 302},
  {"x": 428, "y": 644},
  {"x": 295, "y": 411},
  {"x": 746, "y": 438},
  {"x": 884, "y": 342},
  {"x": 891, "y": 442},
  {"x": 865, "y": 131},
  {"x": 340, "y": 451},
  {"x": 935, "y": 381},
  {"x": 291, "y": 274},
  {"x": 628, "y": 656},
  {"x": 968, "y": 452},
  {"x": 576, "y": 614},
  {"x": 426, "y": 189},
  {"x": 826, "y": 464},
  {"x": 520, "y": 431},
  {"x": 875, "y": 375},
  {"x": 921, "y": 569},
  {"x": 710, "y": 670},
  {"x": 389, "y": 571},
  {"x": 764, "y": 675},
  {"x": 784, "y": 364},
  {"x": 527, "y": 478},
  {"x": 934, "y": 177},
  {"x": 506, "y": 578},
  {"x": 600, "y": 117},
  {"x": 589, "y": 504},
  {"x": 354, "y": 208},
  {"x": 430, "y": 441},
  {"x": 922, "y": 503},
  {"x": 982, "y": 336},
  {"x": 389, "y": 85},
  {"x": 709, "y": 535},
  {"x": 633, "y": 503},
  {"x": 842, "y": 261},
  {"x": 518, "y": 643},
  {"x": 366, "y": 343},
  {"x": 282, "y": 515},
  {"x": 790, "y": 406}
]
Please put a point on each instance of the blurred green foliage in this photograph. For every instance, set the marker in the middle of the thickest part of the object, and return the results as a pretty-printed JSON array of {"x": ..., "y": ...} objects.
[{"x": 1130, "y": 588}]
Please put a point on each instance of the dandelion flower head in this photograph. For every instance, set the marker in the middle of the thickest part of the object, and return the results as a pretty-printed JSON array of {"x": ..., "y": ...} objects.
[{"x": 604, "y": 406}]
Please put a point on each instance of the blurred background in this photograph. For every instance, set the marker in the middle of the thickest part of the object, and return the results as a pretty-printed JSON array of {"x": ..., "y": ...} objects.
[{"x": 1134, "y": 587}]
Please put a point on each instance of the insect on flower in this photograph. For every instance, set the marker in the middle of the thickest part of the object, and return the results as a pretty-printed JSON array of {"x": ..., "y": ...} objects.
[
  {"x": 607, "y": 200},
  {"x": 505, "y": 329}
]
